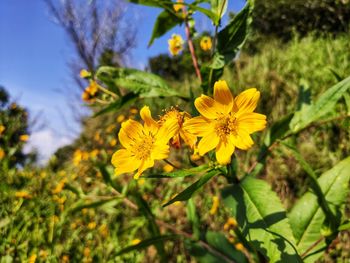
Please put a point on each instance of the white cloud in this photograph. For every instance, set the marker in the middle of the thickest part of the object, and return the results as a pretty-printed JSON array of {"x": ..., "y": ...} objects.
[{"x": 46, "y": 142}]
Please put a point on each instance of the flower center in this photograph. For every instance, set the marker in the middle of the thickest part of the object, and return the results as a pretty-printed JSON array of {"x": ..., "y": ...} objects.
[
  {"x": 225, "y": 126},
  {"x": 143, "y": 147}
]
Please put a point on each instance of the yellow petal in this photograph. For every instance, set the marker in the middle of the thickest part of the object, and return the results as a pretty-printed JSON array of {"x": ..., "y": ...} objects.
[
  {"x": 124, "y": 162},
  {"x": 224, "y": 151},
  {"x": 150, "y": 123},
  {"x": 247, "y": 101},
  {"x": 208, "y": 107},
  {"x": 145, "y": 164},
  {"x": 223, "y": 95},
  {"x": 160, "y": 151},
  {"x": 242, "y": 140},
  {"x": 168, "y": 130},
  {"x": 130, "y": 132},
  {"x": 207, "y": 143},
  {"x": 251, "y": 122},
  {"x": 198, "y": 126},
  {"x": 188, "y": 138}
]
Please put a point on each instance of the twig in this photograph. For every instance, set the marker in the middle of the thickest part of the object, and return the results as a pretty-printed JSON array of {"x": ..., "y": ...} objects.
[
  {"x": 311, "y": 247},
  {"x": 173, "y": 165}
]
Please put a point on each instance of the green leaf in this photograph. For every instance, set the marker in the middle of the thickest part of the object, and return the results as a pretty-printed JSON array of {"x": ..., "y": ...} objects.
[
  {"x": 210, "y": 76},
  {"x": 307, "y": 217},
  {"x": 211, "y": 15},
  {"x": 189, "y": 191},
  {"x": 165, "y": 22},
  {"x": 263, "y": 219},
  {"x": 218, "y": 7},
  {"x": 180, "y": 173},
  {"x": 118, "y": 104},
  {"x": 146, "y": 243},
  {"x": 233, "y": 36},
  {"x": 82, "y": 205},
  {"x": 221, "y": 250},
  {"x": 325, "y": 104},
  {"x": 139, "y": 82},
  {"x": 278, "y": 130},
  {"x": 193, "y": 218}
]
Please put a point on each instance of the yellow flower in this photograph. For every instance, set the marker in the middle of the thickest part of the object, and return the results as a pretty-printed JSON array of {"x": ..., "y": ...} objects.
[
  {"x": 143, "y": 144},
  {"x": 24, "y": 137},
  {"x": 179, "y": 117},
  {"x": 90, "y": 92},
  {"x": 23, "y": 194},
  {"x": 91, "y": 225},
  {"x": 120, "y": 118},
  {"x": 215, "y": 205},
  {"x": 135, "y": 241},
  {"x": 65, "y": 259},
  {"x": 168, "y": 168},
  {"x": 93, "y": 154},
  {"x": 113, "y": 142},
  {"x": 239, "y": 246},
  {"x": 103, "y": 229},
  {"x": 86, "y": 252},
  {"x": 32, "y": 258},
  {"x": 230, "y": 223},
  {"x": 226, "y": 122},
  {"x": 175, "y": 44},
  {"x": 133, "y": 111},
  {"x": 206, "y": 43},
  {"x": 2, "y": 128},
  {"x": 2, "y": 154},
  {"x": 178, "y": 7},
  {"x": 110, "y": 128},
  {"x": 84, "y": 73},
  {"x": 77, "y": 157},
  {"x": 59, "y": 186}
]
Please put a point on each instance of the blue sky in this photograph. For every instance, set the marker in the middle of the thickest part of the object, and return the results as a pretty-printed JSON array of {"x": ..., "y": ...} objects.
[{"x": 34, "y": 53}]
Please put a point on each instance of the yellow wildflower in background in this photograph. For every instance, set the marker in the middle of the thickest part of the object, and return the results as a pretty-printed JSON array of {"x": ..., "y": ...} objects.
[
  {"x": 84, "y": 73},
  {"x": 113, "y": 142},
  {"x": 91, "y": 225},
  {"x": 215, "y": 206},
  {"x": 2, "y": 154},
  {"x": 93, "y": 154},
  {"x": 120, "y": 118},
  {"x": 24, "y": 137},
  {"x": 226, "y": 122},
  {"x": 59, "y": 187},
  {"x": 133, "y": 111},
  {"x": 143, "y": 144},
  {"x": 2, "y": 129},
  {"x": 177, "y": 7},
  {"x": 90, "y": 92},
  {"x": 230, "y": 223},
  {"x": 23, "y": 194},
  {"x": 103, "y": 229},
  {"x": 168, "y": 168},
  {"x": 135, "y": 241},
  {"x": 32, "y": 258},
  {"x": 206, "y": 43},
  {"x": 65, "y": 259},
  {"x": 179, "y": 117},
  {"x": 175, "y": 44}
]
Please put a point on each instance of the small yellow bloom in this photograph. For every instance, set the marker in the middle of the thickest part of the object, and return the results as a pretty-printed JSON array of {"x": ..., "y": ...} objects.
[
  {"x": 91, "y": 225},
  {"x": 214, "y": 207},
  {"x": 23, "y": 194},
  {"x": 175, "y": 44},
  {"x": 59, "y": 187},
  {"x": 177, "y": 7},
  {"x": 32, "y": 258},
  {"x": 143, "y": 144},
  {"x": 103, "y": 229},
  {"x": 84, "y": 73},
  {"x": 77, "y": 157},
  {"x": 24, "y": 137},
  {"x": 239, "y": 246},
  {"x": 120, "y": 118},
  {"x": 141, "y": 181},
  {"x": 179, "y": 117},
  {"x": 110, "y": 128},
  {"x": 230, "y": 223},
  {"x": 133, "y": 111},
  {"x": 94, "y": 153},
  {"x": 65, "y": 259},
  {"x": 135, "y": 241},
  {"x": 195, "y": 157},
  {"x": 86, "y": 252},
  {"x": 2, "y": 154},
  {"x": 113, "y": 142},
  {"x": 206, "y": 43},
  {"x": 43, "y": 174},
  {"x": 168, "y": 168},
  {"x": 2, "y": 129},
  {"x": 226, "y": 122},
  {"x": 90, "y": 92}
]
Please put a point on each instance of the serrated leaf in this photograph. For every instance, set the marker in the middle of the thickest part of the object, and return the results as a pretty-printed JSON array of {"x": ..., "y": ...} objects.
[
  {"x": 325, "y": 104},
  {"x": 189, "y": 191},
  {"x": 222, "y": 250},
  {"x": 181, "y": 173},
  {"x": 307, "y": 217},
  {"x": 165, "y": 22},
  {"x": 233, "y": 36},
  {"x": 139, "y": 82},
  {"x": 263, "y": 220},
  {"x": 146, "y": 243}
]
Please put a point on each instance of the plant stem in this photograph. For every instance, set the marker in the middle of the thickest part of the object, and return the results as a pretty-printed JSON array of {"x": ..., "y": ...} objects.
[{"x": 190, "y": 45}]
